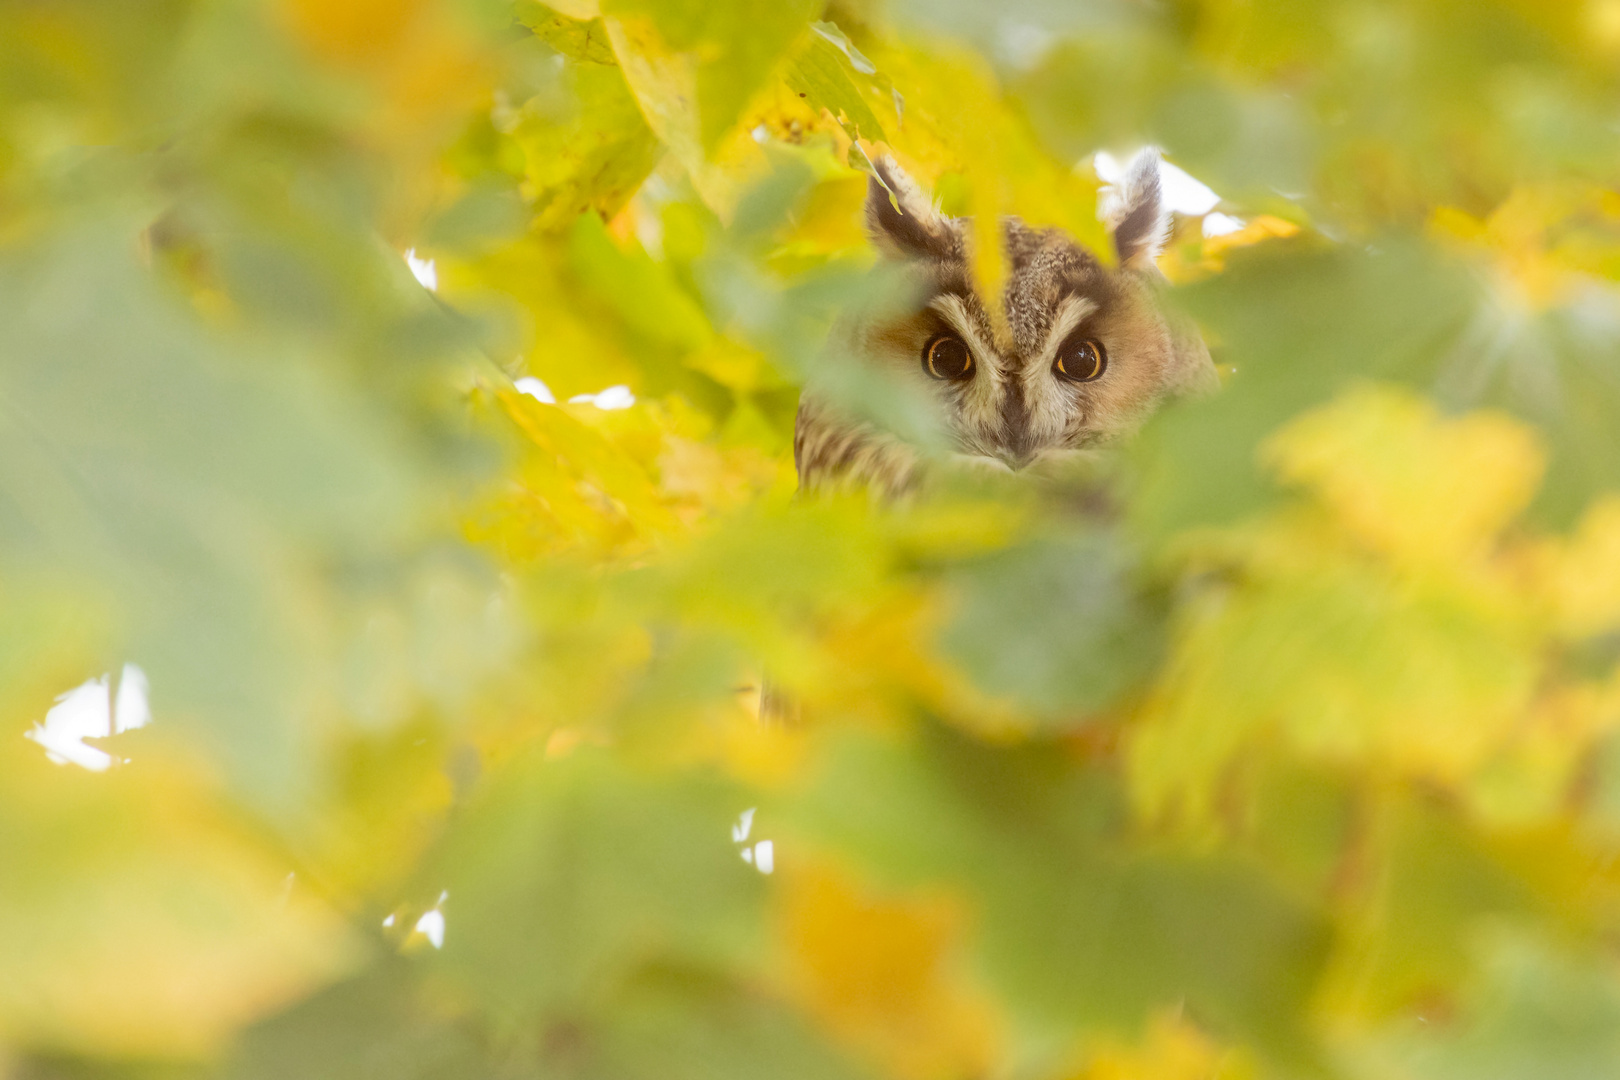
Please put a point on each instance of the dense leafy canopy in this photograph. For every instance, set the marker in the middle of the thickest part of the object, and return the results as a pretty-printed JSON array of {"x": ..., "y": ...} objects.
[{"x": 1285, "y": 742}]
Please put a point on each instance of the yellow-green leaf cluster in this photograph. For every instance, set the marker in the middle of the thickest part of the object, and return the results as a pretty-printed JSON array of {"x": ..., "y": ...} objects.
[{"x": 416, "y": 661}]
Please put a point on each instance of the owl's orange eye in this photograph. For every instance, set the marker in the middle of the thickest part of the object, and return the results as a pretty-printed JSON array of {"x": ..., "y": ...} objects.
[
  {"x": 1080, "y": 360},
  {"x": 947, "y": 357}
]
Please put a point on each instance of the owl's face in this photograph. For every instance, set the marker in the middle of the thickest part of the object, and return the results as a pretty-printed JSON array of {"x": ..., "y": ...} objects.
[{"x": 1083, "y": 355}]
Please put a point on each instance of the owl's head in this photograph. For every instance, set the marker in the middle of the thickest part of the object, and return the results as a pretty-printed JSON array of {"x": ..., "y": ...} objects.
[{"x": 1085, "y": 351}]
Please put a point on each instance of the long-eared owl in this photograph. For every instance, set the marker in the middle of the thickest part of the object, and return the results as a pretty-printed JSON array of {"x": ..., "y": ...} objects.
[{"x": 1083, "y": 352}]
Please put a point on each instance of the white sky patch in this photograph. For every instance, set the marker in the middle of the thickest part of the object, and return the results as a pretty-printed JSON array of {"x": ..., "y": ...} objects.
[
  {"x": 614, "y": 397},
  {"x": 535, "y": 389},
  {"x": 423, "y": 270},
  {"x": 762, "y": 856},
  {"x": 1183, "y": 193},
  {"x": 86, "y": 712},
  {"x": 431, "y": 924},
  {"x": 1219, "y": 224},
  {"x": 132, "y": 710},
  {"x": 1109, "y": 169}
]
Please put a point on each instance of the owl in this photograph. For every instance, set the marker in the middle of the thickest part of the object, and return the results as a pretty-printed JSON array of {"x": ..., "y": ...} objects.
[{"x": 1083, "y": 354}]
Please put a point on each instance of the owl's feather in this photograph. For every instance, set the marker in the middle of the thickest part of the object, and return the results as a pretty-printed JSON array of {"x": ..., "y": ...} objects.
[
  {"x": 1141, "y": 222},
  {"x": 832, "y": 451},
  {"x": 902, "y": 221}
]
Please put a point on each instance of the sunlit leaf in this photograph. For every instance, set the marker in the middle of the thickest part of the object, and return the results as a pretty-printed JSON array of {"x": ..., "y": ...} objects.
[{"x": 831, "y": 74}]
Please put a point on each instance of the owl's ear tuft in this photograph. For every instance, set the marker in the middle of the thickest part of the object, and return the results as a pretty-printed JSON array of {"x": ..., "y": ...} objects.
[
  {"x": 902, "y": 221},
  {"x": 1141, "y": 222}
]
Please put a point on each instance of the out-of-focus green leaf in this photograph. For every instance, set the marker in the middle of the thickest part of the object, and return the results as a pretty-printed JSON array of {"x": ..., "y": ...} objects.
[
  {"x": 1057, "y": 627},
  {"x": 568, "y": 877},
  {"x": 1075, "y": 930},
  {"x": 1559, "y": 369},
  {"x": 200, "y": 488},
  {"x": 375, "y": 1025},
  {"x": 1332, "y": 318},
  {"x": 642, "y": 295},
  {"x": 1440, "y": 889},
  {"x": 683, "y": 1024},
  {"x": 1538, "y": 1012}
]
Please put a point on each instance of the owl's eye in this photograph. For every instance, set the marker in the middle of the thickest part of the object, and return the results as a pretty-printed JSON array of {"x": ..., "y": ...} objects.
[
  {"x": 947, "y": 357},
  {"x": 1080, "y": 360}
]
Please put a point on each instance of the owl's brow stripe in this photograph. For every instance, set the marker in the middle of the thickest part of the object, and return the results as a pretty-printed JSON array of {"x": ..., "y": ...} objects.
[
  {"x": 967, "y": 320},
  {"x": 1073, "y": 309}
]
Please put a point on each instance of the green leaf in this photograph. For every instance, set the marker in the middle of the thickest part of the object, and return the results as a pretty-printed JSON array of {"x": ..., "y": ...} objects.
[
  {"x": 1440, "y": 886},
  {"x": 641, "y": 294},
  {"x": 1539, "y": 1011},
  {"x": 675, "y": 1024},
  {"x": 196, "y": 482},
  {"x": 695, "y": 66},
  {"x": 1076, "y": 930},
  {"x": 565, "y": 878},
  {"x": 1056, "y": 626},
  {"x": 590, "y": 152},
  {"x": 827, "y": 73},
  {"x": 1331, "y": 317},
  {"x": 379, "y": 1024}
]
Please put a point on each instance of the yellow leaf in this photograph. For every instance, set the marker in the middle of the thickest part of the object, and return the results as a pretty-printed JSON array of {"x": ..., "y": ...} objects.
[
  {"x": 576, "y": 9},
  {"x": 1170, "y": 1049},
  {"x": 881, "y": 972},
  {"x": 1581, "y": 576},
  {"x": 153, "y": 926},
  {"x": 669, "y": 84},
  {"x": 665, "y": 82},
  {"x": 1357, "y": 456},
  {"x": 1372, "y": 627},
  {"x": 358, "y": 30},
  {"x": 1340, "y": 661}
]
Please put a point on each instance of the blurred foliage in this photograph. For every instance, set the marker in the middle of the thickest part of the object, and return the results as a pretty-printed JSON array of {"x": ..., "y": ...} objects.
[{"x": 1285, "y": 743}]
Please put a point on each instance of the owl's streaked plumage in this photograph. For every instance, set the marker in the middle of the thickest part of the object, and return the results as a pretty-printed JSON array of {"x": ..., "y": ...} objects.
[{"x": 1084, "y": 354}]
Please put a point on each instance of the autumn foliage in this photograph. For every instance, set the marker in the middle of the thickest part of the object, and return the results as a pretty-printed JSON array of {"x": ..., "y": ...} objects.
[{"x": 1283, "y": 742}]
